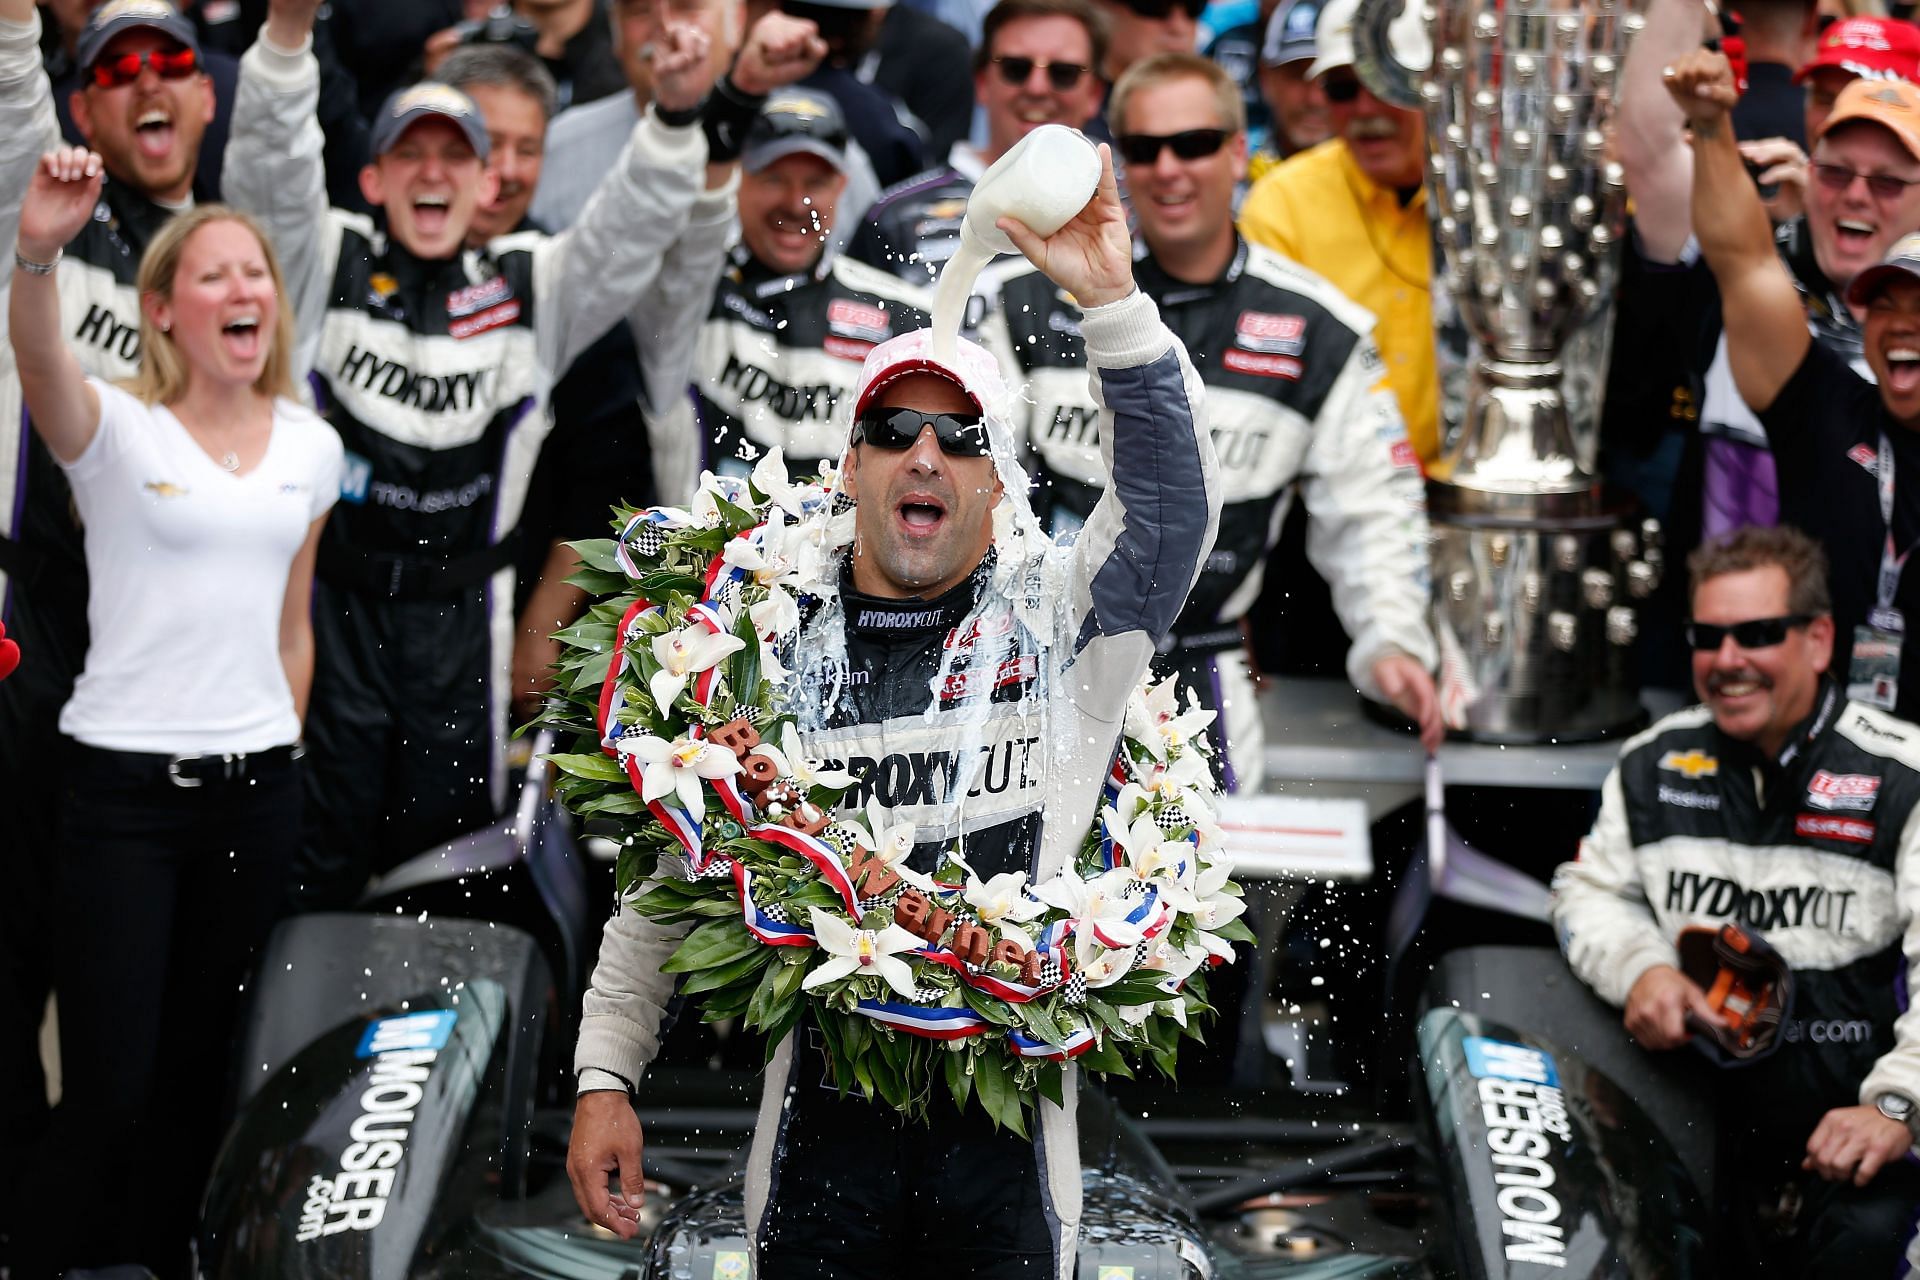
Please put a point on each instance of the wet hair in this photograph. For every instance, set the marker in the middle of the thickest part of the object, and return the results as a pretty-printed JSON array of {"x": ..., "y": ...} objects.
[
  {"x": 1164, "y": 68},
  {"x": 502, "y": 66},
  {"x": 1081, "y": 11},
  {"x": 163, "y": 373},
  {"x": 1756, "y": 547}
]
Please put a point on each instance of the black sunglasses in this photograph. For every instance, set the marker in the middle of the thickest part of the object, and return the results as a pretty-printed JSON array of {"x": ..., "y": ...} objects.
[
  {"x": 1189, "y": 144},
  {"x": 1061, "y": 75},
  {"x": 1340, "y": 88},
  {"x": 1159, "y": 9},
  {"x": 963, "y": 435},
  {"x": 1755, "y": 633}
]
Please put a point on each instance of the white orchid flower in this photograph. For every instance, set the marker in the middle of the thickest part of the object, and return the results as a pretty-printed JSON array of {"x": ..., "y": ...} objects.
[
  {"x": 777, "y": 615},
  {"x": 892, "y": 842},
  {"x": 683, "y": 654},
  {"x": 1101, "y": 903},
  {"x": 1003, "y": 902},
  {"x": 1149, "y": 854},
  {"x": 677, "y": 767},
  {"x": 1157, "y": 723},
  {"x": 863, "y": 952},
  {"x": 1208, "y": 909},
  {"x": 804, "y": 769},
  {"x": 704, "y": 512},
  {"x": 770, "y": 477},
  {"x": 1098, "y": 965}
]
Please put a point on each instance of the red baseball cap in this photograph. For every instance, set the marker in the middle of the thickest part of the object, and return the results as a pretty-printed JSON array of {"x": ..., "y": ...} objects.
[{"x": 1874, "y": 47}]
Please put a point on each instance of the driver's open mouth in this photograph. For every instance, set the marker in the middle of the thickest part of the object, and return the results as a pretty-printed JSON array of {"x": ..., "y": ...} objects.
[{"x": 921, "y": 513}]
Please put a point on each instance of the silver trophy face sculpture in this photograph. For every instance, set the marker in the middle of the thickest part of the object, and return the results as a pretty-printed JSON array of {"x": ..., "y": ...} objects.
[{"x": 1537, "y": 581}]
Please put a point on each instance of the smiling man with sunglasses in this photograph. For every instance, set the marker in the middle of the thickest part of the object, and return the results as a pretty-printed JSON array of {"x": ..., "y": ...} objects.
[
  {"x": 1036, "y": 64},
  {"x": 1780, "y": 806},
  {"x": 972, "y": 675},
  {"x": 1295, "y": 396}
]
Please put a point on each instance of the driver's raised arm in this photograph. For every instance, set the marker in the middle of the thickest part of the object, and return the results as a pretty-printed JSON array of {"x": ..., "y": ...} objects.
[{"x": 1141, "y": 550}]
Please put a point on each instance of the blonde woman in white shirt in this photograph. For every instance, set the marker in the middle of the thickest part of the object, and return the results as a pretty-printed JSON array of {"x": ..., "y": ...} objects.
[{"x": 202, "y": 486}]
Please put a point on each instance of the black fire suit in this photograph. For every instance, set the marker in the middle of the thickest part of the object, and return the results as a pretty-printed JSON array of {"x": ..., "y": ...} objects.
[
  {"x": 1294, "y": 397},
  {"x": 778, "y": 357},
  {"x": 43, "y": 572},
  {"x": 1011, "y": 767},
  {"x": 437, "y": 377},
  {"x": 1818, "y": 850},
  {"x": 913, "y": 228}
]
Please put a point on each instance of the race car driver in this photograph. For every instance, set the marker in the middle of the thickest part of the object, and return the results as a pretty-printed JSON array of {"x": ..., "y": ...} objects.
[
  {"x": 838, "y": 1187},
  {"x": 1295, "y": 393},
  {"x": 143, "y": 107},
  {"x": 791, "y": 320},
  {"x": 1783, "y": 807},
  {"x": 434, "y": 363},
  {"x": 1038, "y": 63}
]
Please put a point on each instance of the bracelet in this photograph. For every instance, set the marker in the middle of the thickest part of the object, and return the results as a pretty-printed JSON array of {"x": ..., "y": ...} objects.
[
  {"x": 32, "y": 268},
  {"x": 679, "y": 118},
  {"x": 729, "y": 111}
]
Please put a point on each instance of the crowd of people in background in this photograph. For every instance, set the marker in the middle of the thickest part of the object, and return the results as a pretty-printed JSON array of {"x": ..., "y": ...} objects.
[{"x": 332, "y": 324}]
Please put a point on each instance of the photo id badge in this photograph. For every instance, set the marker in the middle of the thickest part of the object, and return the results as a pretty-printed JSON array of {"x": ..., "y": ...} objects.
[{"x": 1874, "y": 677}]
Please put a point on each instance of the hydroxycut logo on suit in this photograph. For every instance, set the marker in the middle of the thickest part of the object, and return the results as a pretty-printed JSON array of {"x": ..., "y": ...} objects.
[
  {"x": 1526, "y": 1114},
  {"x": 403, "y": 1050}
]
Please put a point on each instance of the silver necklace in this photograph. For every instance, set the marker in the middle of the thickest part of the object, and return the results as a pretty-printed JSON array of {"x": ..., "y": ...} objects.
[{"x": 230, "y": 461}]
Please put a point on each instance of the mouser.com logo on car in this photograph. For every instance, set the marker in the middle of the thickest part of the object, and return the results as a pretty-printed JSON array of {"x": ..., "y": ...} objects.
[
  {"x": 403, "y": 1050},
  {"x": 1520, "y": 1098}
]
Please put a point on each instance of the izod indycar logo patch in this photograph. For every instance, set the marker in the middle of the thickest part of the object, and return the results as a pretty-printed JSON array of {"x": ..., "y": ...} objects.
[
  {"x": 1260, "y": 365},
  {"x": 1691, "y": 764},
  {"x": 1842, "y": 791},
  {"x": 478, "y": 297},
  {"x": 1263, "y": 331},
  {"x": 354, "y": 1198},
  {"x": 1827, "y": 826},
  {"x": 1865, "y": 455},
  {"x": 1402, "y": 455},
  {"x": 859, "y": 320},
  {"x": 1526, "y": 1115}
]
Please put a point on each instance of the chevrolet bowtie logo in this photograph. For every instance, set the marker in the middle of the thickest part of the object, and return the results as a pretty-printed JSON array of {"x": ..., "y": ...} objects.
[{"x": 1692, "y": 764}]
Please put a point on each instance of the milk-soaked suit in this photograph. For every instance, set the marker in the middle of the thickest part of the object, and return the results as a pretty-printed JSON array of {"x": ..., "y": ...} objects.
[
  {"x": 437, "y": 374},
  {"x": 1295, "y": 396},
  {"x": 1005, "y": 750}
]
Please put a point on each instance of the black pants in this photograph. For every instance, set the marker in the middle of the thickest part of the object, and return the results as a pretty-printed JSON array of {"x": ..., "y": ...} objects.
[
  {"x": 163, "y": 899},
  {"x": 857, "y": 1189},
  {"x": 400, "y": 738},
  {"x": 1828, "y": 1230}
]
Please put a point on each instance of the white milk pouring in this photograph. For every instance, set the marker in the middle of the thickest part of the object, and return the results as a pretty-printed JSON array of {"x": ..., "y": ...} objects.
[{"x": 1043, "y": 180}]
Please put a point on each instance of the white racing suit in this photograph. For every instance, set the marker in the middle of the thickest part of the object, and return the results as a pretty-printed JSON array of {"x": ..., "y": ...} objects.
[
  {"x": 1295, "y": 397},
  {"x": 1817, "y": 850},
  {"x": 1012, "y": 768},
  {"x": 437, "y": 374}
]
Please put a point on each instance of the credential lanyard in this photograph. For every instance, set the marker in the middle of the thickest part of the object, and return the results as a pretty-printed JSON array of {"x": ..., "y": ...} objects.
[{"x": 1891, "y": 564}]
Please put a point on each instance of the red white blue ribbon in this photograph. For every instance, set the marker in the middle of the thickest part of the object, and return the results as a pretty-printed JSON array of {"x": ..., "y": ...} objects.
[
  {"x": 920, "y": 1020},
  {"x": 1027, "y": 1047},
  {"x": 821, "y": 854},
  {"x": 775, "y": 933},
  {"x": 981, "y": 980},
  {"x": 613, "y": 689}
]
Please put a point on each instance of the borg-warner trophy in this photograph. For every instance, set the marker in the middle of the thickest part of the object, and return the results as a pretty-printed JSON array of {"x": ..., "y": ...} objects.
[{"x": 1535, "y": 574}]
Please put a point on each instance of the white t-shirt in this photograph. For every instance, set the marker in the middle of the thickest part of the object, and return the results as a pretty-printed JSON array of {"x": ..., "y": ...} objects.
[{"x": 188, "y": 566}]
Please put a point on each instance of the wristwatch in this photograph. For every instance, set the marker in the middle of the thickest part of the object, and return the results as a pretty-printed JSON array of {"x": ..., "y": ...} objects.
[{"x": 1898, "y": 1106}]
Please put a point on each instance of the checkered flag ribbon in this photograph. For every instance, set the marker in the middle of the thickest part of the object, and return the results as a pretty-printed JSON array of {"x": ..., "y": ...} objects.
[
  {"x": 1172, "y": 818},
  {"x": 648, "y": 540},
  {"x": 775, "y": 912},
  {"x": 1050, "y": 973},
  {"x": 1075, "y": 992}
]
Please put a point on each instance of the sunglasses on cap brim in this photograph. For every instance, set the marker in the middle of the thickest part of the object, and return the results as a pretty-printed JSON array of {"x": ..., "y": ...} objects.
[{"x": 962, "y": 435}]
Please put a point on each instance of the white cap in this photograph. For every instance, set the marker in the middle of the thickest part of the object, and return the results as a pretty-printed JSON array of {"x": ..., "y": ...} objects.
[{"x": 1333, "y": 37}]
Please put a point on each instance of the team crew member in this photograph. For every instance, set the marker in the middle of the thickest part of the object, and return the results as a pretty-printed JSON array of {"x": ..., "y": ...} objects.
[
  {"x": 1845, "y": 450},
  {"x": 1037, "y": 63},
  {"x": 838, "y": 1187},
  {"x": 791, "y": 321},
  {"x": 143, "y": 107},
  {"x": 203, "y": 487},
  {"x": 435, "y": 363},
  {"x": 1783, "y": 807},
  {"x": 1294, "y": 394}
]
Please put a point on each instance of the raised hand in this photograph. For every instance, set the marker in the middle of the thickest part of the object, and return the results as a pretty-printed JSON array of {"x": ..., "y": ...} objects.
[
  {"x": 682, "y": 73},
  {"x": 1701, "y": 81},
  {"x": 60, "y": 198},
  {"x": 1091, "y": 257},
  {"x": 778, "y": 51},
  {"x": 290, "y": 22}
]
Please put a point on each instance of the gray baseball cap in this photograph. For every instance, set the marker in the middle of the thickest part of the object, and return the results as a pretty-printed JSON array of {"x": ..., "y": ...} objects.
[
  {"x": 1901, "y": 263},
  {"x": 1290, "y": 34},
  {"x": 116, "y": 16},
  {"x": 406, "y": 107},
  {"x": 794, "y": 121}
]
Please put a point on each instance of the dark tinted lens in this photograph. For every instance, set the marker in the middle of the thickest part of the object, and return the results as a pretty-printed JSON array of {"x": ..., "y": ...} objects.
[
  {"x": 1191, "y": 144},
  {"x": 1014, "y": 70},
  {"x": 1340, "y": 88},
  {"x": 1061, "y": 75},
  {"x": 961, "y": 434},
  {"x": 1158, "y": 9},
  {"x": 1755, "y": 633}
]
